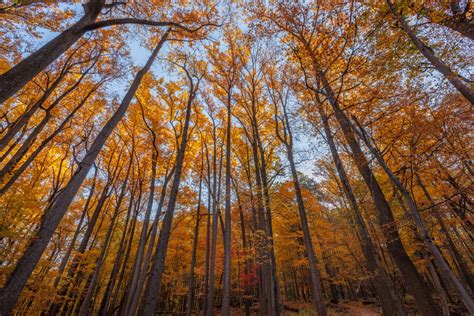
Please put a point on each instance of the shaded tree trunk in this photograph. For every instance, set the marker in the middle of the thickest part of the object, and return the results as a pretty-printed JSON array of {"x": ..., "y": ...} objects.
[
  {"x": 215, "y": 224},
  {"x": 25, "y": 266},
  {"x": 228, "y": 228},
  {"x": 191, "y": 281},
  {"x": 41, "y": 146},
  {"x": 18, "y": 76},
  {"x": 384, "y": 287},
  {"x": 451, "y": 76},
  {"x": 413, "y": 279},
  {"x": 146, "y": 263},
  {"x": 286, "y": 137},
  {"x": 421, "y": 226},
  {"x": 152, "y": 291}
]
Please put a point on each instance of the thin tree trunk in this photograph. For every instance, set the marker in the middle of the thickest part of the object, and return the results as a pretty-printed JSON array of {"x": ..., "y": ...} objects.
[
  {"x": 152, "y": 291},
  {"x": 43, "y": 144},
  {"x": 215, "y": 222},
  {"x": 421, "y": 226},
  {"x": 73, "y": 268},
  {"x": 315, "y": 275},
  {"x": 143, "y": 236},
  {"x": 464, "y": 270},
  {"x": 25, "y": 266},
  {"x": 86, "y": 302},
  {"x": 21, "y": 121},
  {"x": 263, "y": 255},
  {"x": 118, "y": 256},
  {"x": 208, "y": 233},
  {"x": 413, "y": 279},
  {"x": 15, "y": 159},
  {"x": 18, "y": 76},
  {"x": 67, "y": 255},
  {"x": 317, "y": 288},
  {"x": 191, "y": 281},
  {"x": 274, "y": 291},
  {"x": 104, "y": 249},
  {"x": 384, "y": 287},
  {"x": 146, "y": 263},
  {"x": 452, "y": 77},
  {"x": 124, "y": 265},
  {"x": 247, "y": 262},
  {"x": 228, "y": 228}
]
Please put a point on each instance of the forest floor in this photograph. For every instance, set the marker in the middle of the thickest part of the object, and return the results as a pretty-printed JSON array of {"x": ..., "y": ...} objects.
[
  {"x": 305, "y": 309},
  {"x": 343, "y": 308}
]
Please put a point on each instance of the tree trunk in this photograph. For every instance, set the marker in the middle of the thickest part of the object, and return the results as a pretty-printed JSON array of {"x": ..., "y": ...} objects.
[
  {"x": 86, "y": 302},
  {"x": 228, "y": 228},
  {"x": 215, "y": 222},
  {"x": 413, "y": 279},
  {"x": 422, "y": 229},
  {"x": 43, "y": 144},
  {"x": 273, "y": 285},
  {"x": 118, "y": 256},
  {"x": 18, "y": 76},
  {"x": 152, "y": 291},
  {"x": 191, "y": 281},
  {"x": 315, "y": 275},
  {"x": 21, "y": 121},
  {"x": 208, "y": 233},
  {"x": 452, "y": 77},
  {"x": 65, "y": 259},
  {"x": 143, "y": 236},
  {"x": 92, "y": 278},
  {"x": 384, "y": 287},
  {"x": 25, "y": 266},
  {"x": 146, "y": 263},
  {"x": 15, "y": 159},
  {"x": 457, "y": 258}
]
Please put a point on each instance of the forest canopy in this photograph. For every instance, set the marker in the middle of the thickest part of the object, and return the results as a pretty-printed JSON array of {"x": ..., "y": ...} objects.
[{"x": 223, "y": 157}]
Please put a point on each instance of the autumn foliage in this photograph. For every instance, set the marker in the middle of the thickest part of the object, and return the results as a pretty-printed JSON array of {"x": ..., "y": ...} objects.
[{"x": 236, "y": 157}]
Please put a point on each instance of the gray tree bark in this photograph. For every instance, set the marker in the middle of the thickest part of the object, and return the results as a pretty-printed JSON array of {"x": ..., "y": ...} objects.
[{"x": 25, "y": 266}]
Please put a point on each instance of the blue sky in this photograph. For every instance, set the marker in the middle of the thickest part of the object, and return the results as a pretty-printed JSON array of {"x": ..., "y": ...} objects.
[{"x": 307, "y": 144}]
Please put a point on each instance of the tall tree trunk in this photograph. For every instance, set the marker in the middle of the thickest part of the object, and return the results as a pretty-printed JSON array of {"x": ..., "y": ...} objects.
[
  {"x": 457, "y": 258},
  {"x": 126, "y": 256},
  {"x": 286, "y": 137},
  {"x": 384, "y": 287},
  {"x": 152, "y": 291},
  {"x": 451, "y": 76},
  {"x": 119, "y": 254},
  {"x": 413, "y": 279},
  {"x": 146, "y": 263},
  {"x": 18, "y": 76},
  {"x": 191, "y": 281},
  {"x": 76, "y": 261},
  {"x": 421, "y": 226},
  {"x": 67, "y": 255},
  {"x": 45, "y": 142},
  {"x": 86, "y": 302},
  {"x": 74, "y": 272},
  {"x": 215, "y": 222},
  {"x": 91, "y": 284},
  {"x": 15, "y": 159},
  {"x": 21, "y": 121},
  {"x": 208, "y": 233},
  {"x": 247, "y": 261},
  {"x": 25, "y": 266},
  {"x": 143, "y": 236},
  {"x": 274, "y": 291},
  {"x": 20, "y": 153},
  {"x": 228, "y": 228}
]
